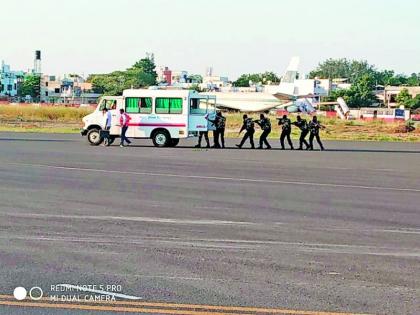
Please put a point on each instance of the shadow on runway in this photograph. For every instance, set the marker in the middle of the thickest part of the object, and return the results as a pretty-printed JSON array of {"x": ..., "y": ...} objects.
[
  {"x": 36, "y": 140},
  {"x": 209, "y": 149},
  {"x": 286, "y": 150},
  {"x": 373, "y": 151},
  {"x": 349, "y": 150}
]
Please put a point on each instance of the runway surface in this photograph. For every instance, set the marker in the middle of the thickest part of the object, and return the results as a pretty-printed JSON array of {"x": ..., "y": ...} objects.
[{"x": 195, "y": 231}]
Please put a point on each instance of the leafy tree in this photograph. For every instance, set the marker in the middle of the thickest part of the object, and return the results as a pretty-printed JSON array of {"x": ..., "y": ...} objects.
[
  {"x": 354, "y": 69},
  {"x": 147, "y": 65},
  {"x": 414, "y": 79},
  {"x": 384, "y": 77},
  {"x": 342, "y": 68},
  {"x": 245, "y": 79},
  {"x": 141, "y": 74},
  {"x": 270, "y": 77},
  {"x": 256, "y": 78},
  {"x": 196, "y": 87},
  {"x": 403, "y": 98},
  {"x": 359, "y": 95},
  {"x": 398, "y": 80},
  {"x": 414, "y": 103},
  {"x": 195, "y": 78},
  {"x": 109, "y": 84},
  {"x": 30, "y": 86}
]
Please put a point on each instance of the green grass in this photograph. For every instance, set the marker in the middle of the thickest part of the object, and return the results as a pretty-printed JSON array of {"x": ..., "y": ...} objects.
[
  {"x": 37, "y": 113},
  {"x": 67, "y": 130},
  {"x": 68, "y": 120}
]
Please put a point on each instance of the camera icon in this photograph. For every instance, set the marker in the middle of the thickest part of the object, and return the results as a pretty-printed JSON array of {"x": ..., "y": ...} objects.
[{"x": 35, "y": 293}]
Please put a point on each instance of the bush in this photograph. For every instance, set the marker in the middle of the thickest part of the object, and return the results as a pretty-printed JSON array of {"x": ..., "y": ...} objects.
[{"x": 37, "y": 113}]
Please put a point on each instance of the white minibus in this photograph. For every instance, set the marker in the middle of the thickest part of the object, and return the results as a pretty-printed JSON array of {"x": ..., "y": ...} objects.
[{"x": 165, "y": 116}]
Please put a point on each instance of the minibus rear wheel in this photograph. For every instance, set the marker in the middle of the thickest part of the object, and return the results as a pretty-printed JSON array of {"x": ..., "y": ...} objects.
[
  {"x": 161, "y": 138},
  {"x": 94, "y": 137}
]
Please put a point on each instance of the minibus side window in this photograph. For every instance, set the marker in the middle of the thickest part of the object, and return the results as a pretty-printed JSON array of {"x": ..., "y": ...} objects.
[
  {"x": 145, "y": 105},
  {"x": 131, "y": 105},
  {"x": 136, "y": 105},
  {"x": 108, "y": 104},
  {"x": 102, "y": 105},
  {"x": 166, "y": 105},
  {"x": 198, "y": 106}
]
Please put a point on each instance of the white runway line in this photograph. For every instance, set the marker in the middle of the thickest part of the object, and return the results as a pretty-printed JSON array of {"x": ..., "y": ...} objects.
[
  {"x": 232, "y": 244},
  {"x": 218, "y": 178},
  {"x": 110, "y": 293},
  {"x": 136, "y": 219}
]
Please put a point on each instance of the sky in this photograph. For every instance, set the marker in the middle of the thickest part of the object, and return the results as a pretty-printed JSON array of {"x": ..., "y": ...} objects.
[{"x": 232, "y": 36}]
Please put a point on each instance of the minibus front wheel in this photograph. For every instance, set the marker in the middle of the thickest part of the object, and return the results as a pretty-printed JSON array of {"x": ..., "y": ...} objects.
[
  {"x": 161, "y": 138},
  {"x": 94, "y": 136}
]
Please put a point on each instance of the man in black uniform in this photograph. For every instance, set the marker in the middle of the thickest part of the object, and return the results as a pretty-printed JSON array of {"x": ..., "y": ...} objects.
[
  {"x": 314, "y": 127},
  {"x": 200, "y": 137},
  {"x": 265, "y": 124},
  {"x": 304, "y": 130},
  {"x": 220, "y": 123},
  {"x": 286, "y": 124},
  {"x": 248, "y": 125}
]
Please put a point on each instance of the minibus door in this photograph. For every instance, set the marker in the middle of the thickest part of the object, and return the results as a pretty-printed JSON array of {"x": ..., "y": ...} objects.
[{"x": 201, "y": 109}]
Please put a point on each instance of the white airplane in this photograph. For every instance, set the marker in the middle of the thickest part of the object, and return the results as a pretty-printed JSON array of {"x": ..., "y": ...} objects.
[{"x": 285, "y": 95}]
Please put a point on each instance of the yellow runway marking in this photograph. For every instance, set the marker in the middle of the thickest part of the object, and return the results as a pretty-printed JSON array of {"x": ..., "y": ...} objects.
[
  {"x": 111, "y": 308},
  {"x": 161, "y": 308}
]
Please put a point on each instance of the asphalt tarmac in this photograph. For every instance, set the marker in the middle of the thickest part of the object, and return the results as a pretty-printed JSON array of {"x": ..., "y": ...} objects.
[{"x": 204, "y": 231}]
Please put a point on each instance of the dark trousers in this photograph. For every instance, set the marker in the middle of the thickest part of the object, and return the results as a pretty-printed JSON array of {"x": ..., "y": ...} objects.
[
  {"x": 263, "y": 138},
  {"x": 221, "y": 134},
  {"x": 206, "y": 137},
  {"x": 123, "y": 136},
  {"x": 106, "y": 135},
  {"x": 302, "y": 140},
  {"x": 318, "y": 139},
  {"x": 216, "y": 138},
  {"x": 286, "y": 134},
  {"x": 249, "y": 134}
]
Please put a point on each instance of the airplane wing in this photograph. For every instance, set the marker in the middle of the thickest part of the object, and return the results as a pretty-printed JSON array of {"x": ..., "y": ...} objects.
[
  {"x": 284, "y": 96},
  {"x": 245, "y": 102},
  {"x": 291, "y": 97},
  {"x": 245, "y": 107}
]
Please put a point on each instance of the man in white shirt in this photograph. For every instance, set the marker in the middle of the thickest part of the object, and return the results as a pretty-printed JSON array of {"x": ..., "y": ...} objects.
[{"x": 107, "y": 125}]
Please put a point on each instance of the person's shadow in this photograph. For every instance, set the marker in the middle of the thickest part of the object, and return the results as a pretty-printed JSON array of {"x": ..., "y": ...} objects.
[{"x": 286, "y": 150}]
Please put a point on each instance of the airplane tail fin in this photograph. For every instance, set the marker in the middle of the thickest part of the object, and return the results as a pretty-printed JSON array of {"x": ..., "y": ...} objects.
[{"x": 287, "y": 84}]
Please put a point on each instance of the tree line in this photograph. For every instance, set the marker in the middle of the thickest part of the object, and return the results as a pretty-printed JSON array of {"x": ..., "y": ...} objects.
[
  {"x": 354, "y": 70},
  {"x": 141, "y": 74},
  {"x": 363, "y": 77}
]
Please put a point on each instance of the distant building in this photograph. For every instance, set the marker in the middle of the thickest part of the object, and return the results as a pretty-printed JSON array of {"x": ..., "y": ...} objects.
[
  {"x": 389, "y": 94},
  {"x": 179, "y": 77},
  {"x": 164, "y": 75},
  {"x": 340, "y": 84},
  {"x": 317, "y": 87},
  {"x": 214, "y": 82},
  {"x": 10, "y": 81},
  {"x": 170, "y": 77},
  {"x": 72, "y": 89}
]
